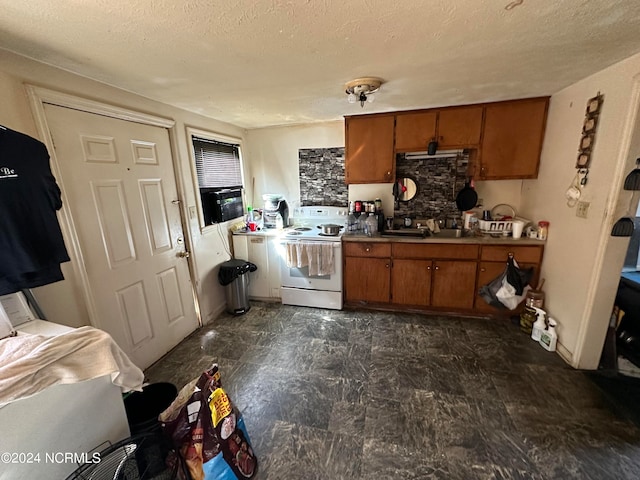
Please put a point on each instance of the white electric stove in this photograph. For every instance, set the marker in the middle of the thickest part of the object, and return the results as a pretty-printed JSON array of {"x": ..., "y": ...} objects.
[{"x": 299, "y": 285}]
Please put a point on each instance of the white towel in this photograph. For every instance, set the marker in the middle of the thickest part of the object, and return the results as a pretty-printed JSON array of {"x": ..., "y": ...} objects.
[
  {"x": 296, "y": 255},
  {"x": 318, "y": 256},
  {"x": 31, "y": 363}
]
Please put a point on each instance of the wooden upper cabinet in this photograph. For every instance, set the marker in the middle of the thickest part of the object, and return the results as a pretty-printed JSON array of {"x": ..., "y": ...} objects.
[
  {"x": 369, "y": 154},
  {"x": 454, "y": 127},
  {"x": 512, "y": 139},
  {"x": 415, "y": 130},
  {"x": 459, "y": 127}
]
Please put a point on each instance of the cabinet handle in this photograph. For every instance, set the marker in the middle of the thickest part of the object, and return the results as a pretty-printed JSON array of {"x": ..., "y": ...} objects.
[
  {"x": 429, "y": 267},
  {"x": 483, "y": 269},
  {"x": 367, "y": 249},
  {"x": 436, "y": 268},
  {"x": 387, "y": 265}
]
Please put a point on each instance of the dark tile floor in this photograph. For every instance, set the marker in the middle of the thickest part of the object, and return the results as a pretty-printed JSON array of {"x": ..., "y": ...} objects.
[{"x": 361, "y": 395}]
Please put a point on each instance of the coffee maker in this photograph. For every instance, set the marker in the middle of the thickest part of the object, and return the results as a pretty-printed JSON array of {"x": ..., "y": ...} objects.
[{"x": 274, "y": 204}]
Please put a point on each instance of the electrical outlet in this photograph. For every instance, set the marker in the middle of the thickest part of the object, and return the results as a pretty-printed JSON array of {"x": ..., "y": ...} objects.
[{"x": 582, "y": 209}]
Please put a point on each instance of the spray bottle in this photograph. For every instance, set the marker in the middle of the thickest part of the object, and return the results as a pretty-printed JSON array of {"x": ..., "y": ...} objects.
[
  {"x": 549, "y": 337},
  {"x": 539, "y": 325}
]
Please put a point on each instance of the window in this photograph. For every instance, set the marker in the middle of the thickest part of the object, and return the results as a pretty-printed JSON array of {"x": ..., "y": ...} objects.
[
  {"x": 218, "y": 170},
  {"x": 217, "y": 164}
]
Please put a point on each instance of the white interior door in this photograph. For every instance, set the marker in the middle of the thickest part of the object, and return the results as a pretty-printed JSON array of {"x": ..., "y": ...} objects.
[{"x": 120, "y": 185}]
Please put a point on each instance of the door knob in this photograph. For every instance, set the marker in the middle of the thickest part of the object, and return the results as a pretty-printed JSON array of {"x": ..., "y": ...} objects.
[{"x": 183, "y": 254}]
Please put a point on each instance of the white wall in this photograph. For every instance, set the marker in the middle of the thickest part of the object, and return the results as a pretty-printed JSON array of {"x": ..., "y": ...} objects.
[
  {"x": 63, "y": 302},
  {"x": 582, "y": 262},
  {"x": 273, "y": 154}
]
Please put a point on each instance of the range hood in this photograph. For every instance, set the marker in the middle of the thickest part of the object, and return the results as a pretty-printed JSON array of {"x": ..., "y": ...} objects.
[{"x": 439, "y": 154}]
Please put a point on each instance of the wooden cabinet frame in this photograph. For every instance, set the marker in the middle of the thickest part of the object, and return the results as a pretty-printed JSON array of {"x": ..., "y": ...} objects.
[
  {"x": 504, "y": 138},
  {"x": 439, "y": 277}
]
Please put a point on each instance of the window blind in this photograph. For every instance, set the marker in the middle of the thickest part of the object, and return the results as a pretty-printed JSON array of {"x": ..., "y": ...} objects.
[{"x": 217, "y": 163}]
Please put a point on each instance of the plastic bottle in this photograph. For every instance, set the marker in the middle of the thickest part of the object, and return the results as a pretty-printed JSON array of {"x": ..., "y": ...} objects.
[
  {"x": 539, "y": 325},
  {"x": 352, "y": 221},
  {"x": 250, "y": 220},
  {"x": 543, "y": 230},
  {"x": 371, "y": 225},
  {"x": 549, "y": 337},
  {"x": 279, "y": 222},
  {"x": 360, "y": 223}
]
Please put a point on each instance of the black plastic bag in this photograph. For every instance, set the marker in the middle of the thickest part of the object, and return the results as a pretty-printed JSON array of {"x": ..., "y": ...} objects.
[{"x": 516, "y": 278}]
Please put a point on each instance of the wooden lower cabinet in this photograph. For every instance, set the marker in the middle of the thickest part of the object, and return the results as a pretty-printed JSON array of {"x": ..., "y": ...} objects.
[
  {"x": 411, "y": 282},
  {"x": 454, "y": 283},
  {"x": 493, "y": 261},
  {"x": 438, "y": 276},
  {"x": 487, "y": 271},
  {"x": 367, "y": 279}
]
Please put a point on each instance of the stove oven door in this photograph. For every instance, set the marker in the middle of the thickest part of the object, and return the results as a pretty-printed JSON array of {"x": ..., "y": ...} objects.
[{"x": 301, "y": 278}]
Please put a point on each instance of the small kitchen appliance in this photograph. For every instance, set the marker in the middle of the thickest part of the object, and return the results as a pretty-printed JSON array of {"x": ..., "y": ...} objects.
[
  {"x": 274, "y": 204},
  {"x": 314, "y": 228},
  {"x": 221, "y": 205}
]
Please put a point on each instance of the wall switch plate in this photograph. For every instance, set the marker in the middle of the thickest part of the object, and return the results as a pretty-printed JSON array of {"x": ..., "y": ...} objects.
[{"x": 582, "y": 209}]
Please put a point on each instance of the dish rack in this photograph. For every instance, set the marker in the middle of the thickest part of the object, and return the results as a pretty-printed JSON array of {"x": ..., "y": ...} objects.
[
  {"x": 503, "y": 216},
  {"x": 495, "y": 226}
]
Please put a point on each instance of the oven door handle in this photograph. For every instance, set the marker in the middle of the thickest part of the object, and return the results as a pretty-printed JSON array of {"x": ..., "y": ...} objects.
[{"x": 293, "y": 242}]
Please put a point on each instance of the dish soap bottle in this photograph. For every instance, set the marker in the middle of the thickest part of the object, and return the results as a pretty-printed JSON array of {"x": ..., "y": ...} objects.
[
  {"x": 539, "y": 325},
  {"x": 549, "y": 337}
]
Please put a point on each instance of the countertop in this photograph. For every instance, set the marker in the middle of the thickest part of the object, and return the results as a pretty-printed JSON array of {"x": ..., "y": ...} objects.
[
  {"x": 478, "y": 240},
  {"x": 264, "y": 232}
]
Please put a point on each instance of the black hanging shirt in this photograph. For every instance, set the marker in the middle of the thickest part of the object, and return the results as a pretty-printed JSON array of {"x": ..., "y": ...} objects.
[{"x": 31, "y": 243}]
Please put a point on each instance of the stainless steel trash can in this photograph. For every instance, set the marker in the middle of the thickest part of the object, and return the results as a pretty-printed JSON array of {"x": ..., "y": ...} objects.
[{"x": 234, "y": 276}]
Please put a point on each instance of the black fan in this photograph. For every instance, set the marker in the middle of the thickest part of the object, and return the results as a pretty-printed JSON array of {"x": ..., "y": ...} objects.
[{"x": 141, "y": 457}]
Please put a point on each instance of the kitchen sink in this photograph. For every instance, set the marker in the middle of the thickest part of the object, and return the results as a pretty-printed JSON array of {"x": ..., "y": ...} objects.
[
  {"x": 407, "y": 232},
  {"x": 450, "y": 233}
]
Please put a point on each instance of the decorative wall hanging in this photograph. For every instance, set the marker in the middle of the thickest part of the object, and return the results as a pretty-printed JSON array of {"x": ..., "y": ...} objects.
[{"x": 594, "y": 106}]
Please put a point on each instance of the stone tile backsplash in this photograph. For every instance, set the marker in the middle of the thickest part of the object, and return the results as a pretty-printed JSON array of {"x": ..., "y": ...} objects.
[
  {"x": 438, "y": 180},
  {"x": 322, "y": 177}
]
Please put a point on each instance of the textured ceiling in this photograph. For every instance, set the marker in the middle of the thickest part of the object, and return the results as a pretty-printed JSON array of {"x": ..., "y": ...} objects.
[{"x": 258, "y": 63}]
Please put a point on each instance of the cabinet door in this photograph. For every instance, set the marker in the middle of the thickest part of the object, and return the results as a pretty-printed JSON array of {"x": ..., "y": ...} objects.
[
  {"x": 453, "y": 283},
  {"x": 275, "y": 260},
  {"x": 512, "y": 139},
  {"x": 459, "y": 127},
  {"x": 369, "y": 149},
  {"x": 255, "y": 251},
  {"x": 367, "y": 279},
  {"x": 415, "y": 130},
  {"x": 411, "y": 282},
  {"x": 490, "y": 270}
]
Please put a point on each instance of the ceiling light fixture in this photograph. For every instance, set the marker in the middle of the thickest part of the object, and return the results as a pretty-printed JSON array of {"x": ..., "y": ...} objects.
[{"x": 362, "y": 89}]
